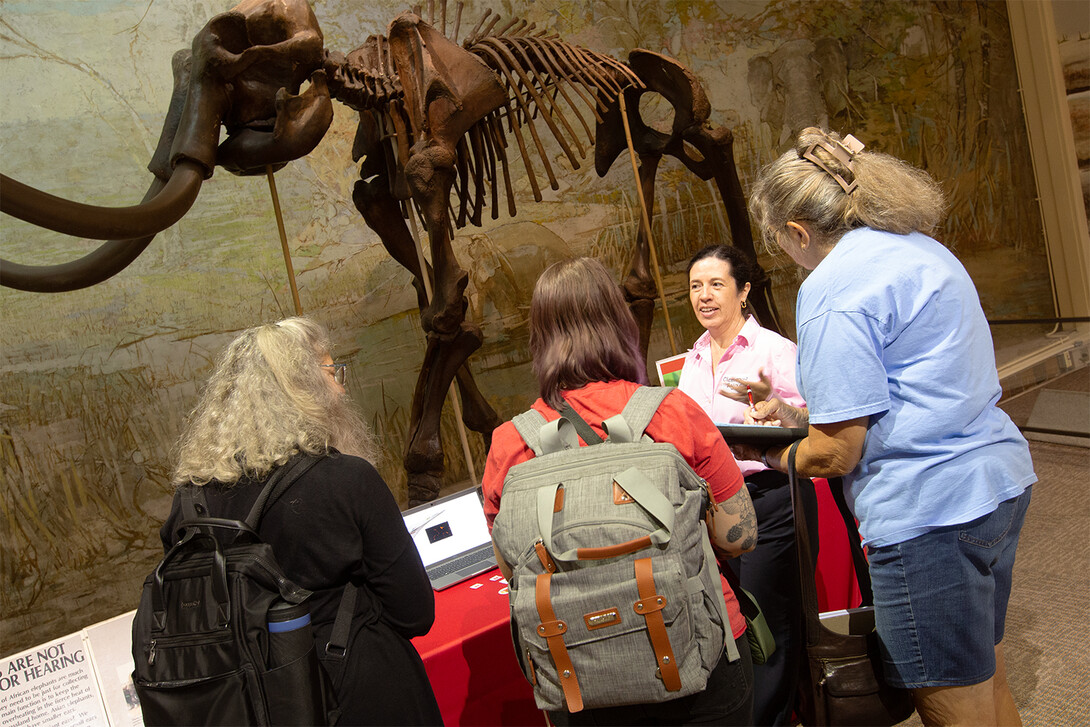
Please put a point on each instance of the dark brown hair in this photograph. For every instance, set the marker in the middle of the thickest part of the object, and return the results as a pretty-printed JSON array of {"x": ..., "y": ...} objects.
[
  {"x": 742, "y": 267},
  {"x": 581, "y": 330}
]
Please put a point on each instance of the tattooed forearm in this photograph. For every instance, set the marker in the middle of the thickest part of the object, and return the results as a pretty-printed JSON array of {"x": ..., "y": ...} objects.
[
  {"x": 744, "y": 532},
  {"x": 735, "y": 529}
]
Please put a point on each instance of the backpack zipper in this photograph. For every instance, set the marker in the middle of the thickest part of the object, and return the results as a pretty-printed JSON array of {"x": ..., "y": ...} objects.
[
  {"x": 185, "y": 640},
  {"x": 610, "y": 457}
]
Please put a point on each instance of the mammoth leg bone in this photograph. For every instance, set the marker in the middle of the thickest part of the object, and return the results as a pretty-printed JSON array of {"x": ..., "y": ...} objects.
[
  {"x": 447, "y": 90},
  {"x": 446, "y": 351},
  {"x": 639, "y": 285}
]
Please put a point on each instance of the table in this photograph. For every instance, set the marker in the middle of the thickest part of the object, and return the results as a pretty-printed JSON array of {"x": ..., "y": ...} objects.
[{"x": 470, "y": 659}]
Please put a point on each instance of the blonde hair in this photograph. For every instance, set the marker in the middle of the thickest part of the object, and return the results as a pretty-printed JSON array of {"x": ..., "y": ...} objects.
[
  {"x": 267, "y": 400},
  {"x": 890, "y": 195},
  {"x": 581, "y": 330}
]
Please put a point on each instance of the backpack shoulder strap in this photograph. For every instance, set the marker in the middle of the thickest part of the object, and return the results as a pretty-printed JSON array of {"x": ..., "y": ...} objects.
[
  {"x": 337, "y": 646},
  {"x": 628, "y": 426},
  {"x": 283, "y": 478},
  {"x": 193, "y": 502},
  {"x": 529, "y": 424}
]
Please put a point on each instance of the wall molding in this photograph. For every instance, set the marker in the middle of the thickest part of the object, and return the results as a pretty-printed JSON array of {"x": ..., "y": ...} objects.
[{"x": 1052, "y": 146}]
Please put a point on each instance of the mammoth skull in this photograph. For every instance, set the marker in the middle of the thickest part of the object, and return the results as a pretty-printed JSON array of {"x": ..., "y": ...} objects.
[{"x": 243, "y": 73}]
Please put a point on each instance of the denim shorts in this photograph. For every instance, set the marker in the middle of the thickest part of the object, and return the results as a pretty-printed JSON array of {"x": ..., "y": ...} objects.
[{"x": 940, "y": 599}]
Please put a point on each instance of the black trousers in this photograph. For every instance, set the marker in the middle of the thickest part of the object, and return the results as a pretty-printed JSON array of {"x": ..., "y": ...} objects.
[
  {"x": 771, "y": 573},
  {"x": 726, "y": 700}
]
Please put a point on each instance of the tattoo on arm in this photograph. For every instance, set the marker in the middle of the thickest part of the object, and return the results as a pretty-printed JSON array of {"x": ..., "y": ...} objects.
[{"x": 746, "y": 528}]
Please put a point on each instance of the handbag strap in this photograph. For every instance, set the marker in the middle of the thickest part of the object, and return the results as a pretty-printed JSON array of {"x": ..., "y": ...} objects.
[
  {"x": 803, "y": 551},
  {"x": 859, "y": 560}
]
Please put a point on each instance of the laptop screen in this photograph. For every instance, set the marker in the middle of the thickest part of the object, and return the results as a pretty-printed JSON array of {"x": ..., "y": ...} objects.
[{"x": 448, "y": 527}]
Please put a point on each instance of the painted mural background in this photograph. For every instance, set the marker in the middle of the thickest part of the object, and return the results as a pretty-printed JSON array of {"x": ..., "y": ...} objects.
[{"x": 96, "y": 383}]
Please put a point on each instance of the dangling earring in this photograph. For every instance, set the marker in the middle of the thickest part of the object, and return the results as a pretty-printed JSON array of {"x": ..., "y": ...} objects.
[{"x": 744, "y": 305}]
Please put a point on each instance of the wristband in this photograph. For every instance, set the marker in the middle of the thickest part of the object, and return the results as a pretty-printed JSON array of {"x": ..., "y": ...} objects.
[{"x": 764, "y": 459}]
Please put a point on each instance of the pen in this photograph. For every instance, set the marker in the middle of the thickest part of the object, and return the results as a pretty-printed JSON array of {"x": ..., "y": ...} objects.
[{"x": 749, "y": 393}]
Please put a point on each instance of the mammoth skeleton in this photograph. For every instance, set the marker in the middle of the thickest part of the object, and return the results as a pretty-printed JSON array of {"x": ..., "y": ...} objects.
[{"x": 435, "y": 119}]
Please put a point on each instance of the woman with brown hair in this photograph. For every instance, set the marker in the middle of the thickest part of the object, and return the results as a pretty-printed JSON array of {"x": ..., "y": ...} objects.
[
  {"x": 585, "y": 348},
  {"x": 734, "y": 363}
]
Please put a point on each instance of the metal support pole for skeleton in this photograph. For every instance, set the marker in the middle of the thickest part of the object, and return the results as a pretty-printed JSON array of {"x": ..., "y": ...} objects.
[
  {"x": 647, "y": 225},
  {"x": 284, "y": 241}
]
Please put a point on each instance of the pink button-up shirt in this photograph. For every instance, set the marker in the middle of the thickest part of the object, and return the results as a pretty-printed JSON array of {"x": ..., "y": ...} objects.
[{"x": 753, "y": 349}]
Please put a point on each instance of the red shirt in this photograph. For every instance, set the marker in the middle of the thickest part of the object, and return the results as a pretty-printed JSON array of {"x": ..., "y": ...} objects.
[{"x": 679, "y": 420}]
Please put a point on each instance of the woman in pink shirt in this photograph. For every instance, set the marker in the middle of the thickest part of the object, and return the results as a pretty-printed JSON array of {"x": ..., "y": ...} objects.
[{"x": 736, "y": 358}]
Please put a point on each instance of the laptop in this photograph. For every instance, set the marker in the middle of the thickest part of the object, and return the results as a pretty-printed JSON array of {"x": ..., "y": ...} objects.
[{"x": 452, "y": 537}]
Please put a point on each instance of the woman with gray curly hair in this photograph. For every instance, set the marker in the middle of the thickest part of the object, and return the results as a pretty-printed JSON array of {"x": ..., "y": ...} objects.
[
  {"x": 276, "y": 394},
  {"x": 895, "y": 361}
]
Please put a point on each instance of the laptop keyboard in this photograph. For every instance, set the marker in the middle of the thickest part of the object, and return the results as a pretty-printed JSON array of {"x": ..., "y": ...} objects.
[{"x": 477, "y": 556}]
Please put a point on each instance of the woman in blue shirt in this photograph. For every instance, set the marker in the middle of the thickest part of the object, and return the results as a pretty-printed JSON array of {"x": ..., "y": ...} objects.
[{"x": 895, "y": 361}]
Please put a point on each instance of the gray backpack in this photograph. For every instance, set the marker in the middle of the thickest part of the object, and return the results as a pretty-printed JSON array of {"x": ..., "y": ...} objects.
[{"x": 615, "y": 591}]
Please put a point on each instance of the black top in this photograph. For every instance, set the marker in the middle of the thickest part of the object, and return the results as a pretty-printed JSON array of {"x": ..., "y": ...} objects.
[{"x": 338, "y": 523}]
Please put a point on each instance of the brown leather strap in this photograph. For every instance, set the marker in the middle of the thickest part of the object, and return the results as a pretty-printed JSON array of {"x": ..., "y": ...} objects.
[
  {"x": 552, "y": 630},
  {"x": 650, "y": 607},
  {"x": 612, "y": 551},
  {"x": 547, "y": 561}
]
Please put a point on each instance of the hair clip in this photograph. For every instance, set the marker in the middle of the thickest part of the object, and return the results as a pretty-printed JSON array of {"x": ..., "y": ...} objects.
[{"x": 844, "y": 151}]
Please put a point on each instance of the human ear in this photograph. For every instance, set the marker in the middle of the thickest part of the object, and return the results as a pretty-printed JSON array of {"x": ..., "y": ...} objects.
[{"x": 799, "y": 234}]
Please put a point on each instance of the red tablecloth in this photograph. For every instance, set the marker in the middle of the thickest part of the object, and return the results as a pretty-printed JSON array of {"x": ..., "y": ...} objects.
[
  {"x": 470, "y": 658},
  {"x": 471, "y": 662}
]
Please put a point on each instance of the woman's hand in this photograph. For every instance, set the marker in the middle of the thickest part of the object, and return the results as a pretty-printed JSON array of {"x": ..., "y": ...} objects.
[
  {"x": 746, "y": 452},
  {"x": 740, "y": 389},
  {"x": 777, "y": 413}
]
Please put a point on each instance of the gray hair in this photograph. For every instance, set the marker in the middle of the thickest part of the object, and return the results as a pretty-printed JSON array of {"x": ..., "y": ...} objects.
[
  {"x": 267, "y": 400},
  {"x": 889, "y": 194}
]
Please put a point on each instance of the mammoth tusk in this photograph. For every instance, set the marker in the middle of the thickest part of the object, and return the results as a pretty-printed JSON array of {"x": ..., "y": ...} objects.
[
  {"x": 107, "y": 260},
  {"x": 105, "y": 223}
]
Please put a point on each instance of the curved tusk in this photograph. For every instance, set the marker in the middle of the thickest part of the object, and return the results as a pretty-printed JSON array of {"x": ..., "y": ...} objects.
[
  {"x": 105, "y": 223},
  {"x": 106, "y": 261}
]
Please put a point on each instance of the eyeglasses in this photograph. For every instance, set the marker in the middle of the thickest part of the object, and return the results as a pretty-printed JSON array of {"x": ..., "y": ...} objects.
[{"x": 340, "y": 371}]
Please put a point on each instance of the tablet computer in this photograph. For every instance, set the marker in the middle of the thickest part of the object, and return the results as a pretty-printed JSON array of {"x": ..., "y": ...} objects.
[{"x": 759, "y": 434}]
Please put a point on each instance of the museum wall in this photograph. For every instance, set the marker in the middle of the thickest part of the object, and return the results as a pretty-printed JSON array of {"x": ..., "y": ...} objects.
[{"x": 96, "y": 383}]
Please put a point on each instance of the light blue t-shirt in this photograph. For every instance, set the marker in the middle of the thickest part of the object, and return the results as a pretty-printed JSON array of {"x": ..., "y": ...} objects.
[{"x": 890, "y": 327}]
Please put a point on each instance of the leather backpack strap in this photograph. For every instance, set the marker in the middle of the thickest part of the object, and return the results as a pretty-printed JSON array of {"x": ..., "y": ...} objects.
[
  {"x": 552, "y": 630},
  {"x": 650, "y": 606}
]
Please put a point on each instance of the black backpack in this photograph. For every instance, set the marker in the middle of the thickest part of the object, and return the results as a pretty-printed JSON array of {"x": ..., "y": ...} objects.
[{"x": 222, "y": 636}]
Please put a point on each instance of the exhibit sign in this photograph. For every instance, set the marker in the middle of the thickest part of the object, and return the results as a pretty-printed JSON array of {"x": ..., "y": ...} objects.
[{"x": 79, "y": 680}]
